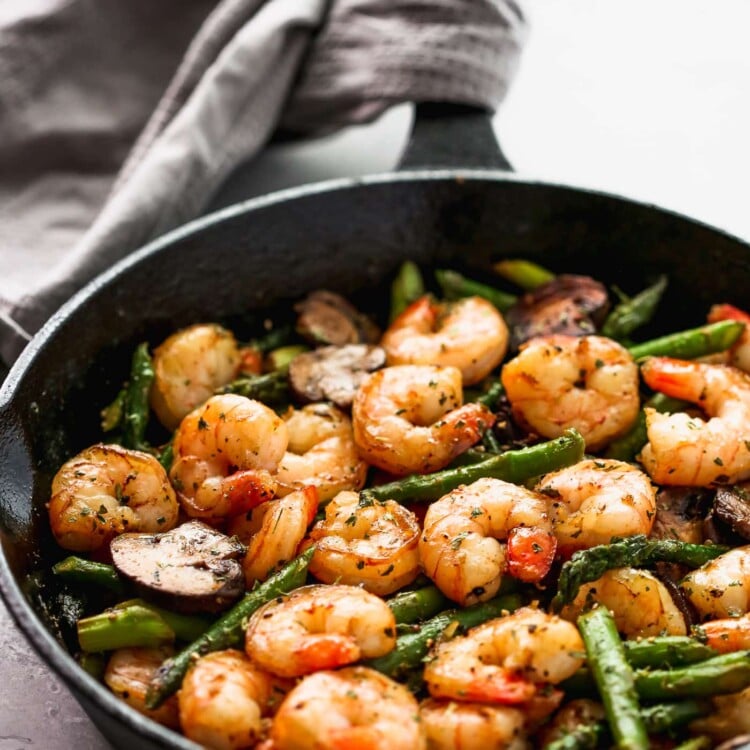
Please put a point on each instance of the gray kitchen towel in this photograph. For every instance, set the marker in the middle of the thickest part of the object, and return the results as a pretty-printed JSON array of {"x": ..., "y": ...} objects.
[{"x": 119, "y": 121}]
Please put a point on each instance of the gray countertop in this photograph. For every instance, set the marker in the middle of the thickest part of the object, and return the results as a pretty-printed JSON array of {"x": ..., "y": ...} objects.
[{"x": 645, "y": 99}]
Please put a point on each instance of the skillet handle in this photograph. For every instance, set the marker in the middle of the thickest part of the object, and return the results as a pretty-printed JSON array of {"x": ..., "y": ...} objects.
[{"x": 452, "y": 136}]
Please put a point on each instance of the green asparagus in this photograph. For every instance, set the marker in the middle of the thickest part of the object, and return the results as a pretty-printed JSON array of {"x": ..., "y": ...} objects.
[
  {"x": 89, "y": 573},
  {"x": 270, "y": 388},
  {"x": 523, "y": 273},
  {"x": 692, "y": 343},
  {"x": 407, "y": 286},
  {"x": 636, "y": 551},
  {"x": 417, "y": 605},
  {"x": 411, "y": 648},
  {"x": 129, "y": 412},
  {"x": 228, "y": 631},
  {"x": 614, "y": 678},
  {"x": 512, "y": 466},
  {"x": 633, "y": 312},
  {"x": 454, "y": 286}
]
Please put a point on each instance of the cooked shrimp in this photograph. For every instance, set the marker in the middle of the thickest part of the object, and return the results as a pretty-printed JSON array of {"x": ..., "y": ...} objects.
[
  {"x": 597, "y": 499},
  {"x": 729, "y": 719},
  {"x": 460, "y": 546},
  {"x": 222, "y": 700},
  {"x": 355, "y": 708},
  {"x": 690, "y": 451},
  {"x": 641, "y": 604},
  {"x": 106, "y": 490},
  {"x": 739, "y": 353},
  {"x": 410, "y": 419},
  {"x": 319, "y": 627},
  {"x": 273, "y": 531},
  {"x": 374, "y": 546},
  {"x": 721, "y": 587},
  {"x": 321, "y": 452},
  {"x": 128, "y": 674},
  {"x": 449, "y": 725},
  {"x": 504, "y": 660},
  {"x": 188, "y": 368},
  {"x": 469, "y": 334},
  {"x": 586, "y": 382},
  {"x": 727, "y": 634},
  {"x": 225, "y": 453}
]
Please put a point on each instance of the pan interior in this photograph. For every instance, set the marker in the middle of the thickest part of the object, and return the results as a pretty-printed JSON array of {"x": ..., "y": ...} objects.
[{"x": 253, "y": 261}]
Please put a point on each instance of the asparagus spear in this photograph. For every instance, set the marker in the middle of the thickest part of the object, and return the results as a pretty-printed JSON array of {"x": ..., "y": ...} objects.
[
  {"x": 130, "y": 410},
  {"x": 582, "y": 737},
  {"x": 491, "y": 396},
  {"x": 278, "y": 360},
  {"x": 137, "y": 623},
  {"x": 273, "y": 339},
  {"x": 406, "y": 287},
  {"x": 524, "y": 273},
  {"x": 123, "y": 628},
  {"x": 228, "y": 631},
  {"x": 696, "y": 743},
  {"x": 411, "y": 648},
  {"x": 692, "y": 343},
  {"x": 614, "y": 679},
  {"x": 89, "y": 573},
  {"x": 665, "y": 717},
  {"x": 185, "y": 627},
  {"x": 454, "y": 286},
  {"x": 662, "y": 652},
  {"x": 633, "y": 312},
  {"x": 512, "y": 466},
  {"x": 413, "y": 606},
  {"x": 270, "y": 388},
  {"x": 728, "y": 673},
  {"x": 636, "y": 551},
  {"x": 658, "y": 719},
  {"x": 666, "y": 651}
]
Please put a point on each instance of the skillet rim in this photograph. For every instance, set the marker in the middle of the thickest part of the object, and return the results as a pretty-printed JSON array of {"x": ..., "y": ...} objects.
[{"x": 81, "y": 684}]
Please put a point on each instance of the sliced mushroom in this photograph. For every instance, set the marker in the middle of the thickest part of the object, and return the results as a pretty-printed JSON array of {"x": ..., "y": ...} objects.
[
  {"x": 568, "y": 304},
  {"x": 333, "y": 373},
  {"x": 680, "y": 514},
  {"x": 327, "y": 318},
  {"x": 192, "y": 568},
  {"x": 732, "y": 506}
]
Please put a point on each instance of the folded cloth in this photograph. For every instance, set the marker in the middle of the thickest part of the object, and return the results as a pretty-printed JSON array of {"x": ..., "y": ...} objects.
[{"x": 120, "y": 121}]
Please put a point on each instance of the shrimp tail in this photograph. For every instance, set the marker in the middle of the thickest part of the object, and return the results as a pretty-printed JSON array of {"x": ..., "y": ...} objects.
[
  {"x": 531, "y": 552},
  {"x": 355, "y": 738},
  {"x": 674, "y": 377},
  {"x": 246, "y": 489},
  {"x": 421, "y": 314},
  {"x": 326, "y": 651},
  {"x": 502, "y": 688},
  {"x": 464, "y": 426}
]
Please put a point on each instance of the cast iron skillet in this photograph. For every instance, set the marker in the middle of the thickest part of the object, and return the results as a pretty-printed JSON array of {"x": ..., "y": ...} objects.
[{"x": 346, "y": 235}]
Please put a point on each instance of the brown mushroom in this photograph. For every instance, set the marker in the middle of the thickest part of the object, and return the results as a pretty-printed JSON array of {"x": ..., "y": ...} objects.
[
  {"x": 192, "y": 568},
  {"x": 333, "y": 373},
  {"x": 680, "y": 514},
  {"x": 732, "y": 506},
  {"x": 327, "y": 318},
  {"x": 569, "y": 304}
]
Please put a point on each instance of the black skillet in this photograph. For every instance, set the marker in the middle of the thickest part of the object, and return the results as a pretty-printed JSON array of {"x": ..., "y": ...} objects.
[{"x": 453, "y": 202}]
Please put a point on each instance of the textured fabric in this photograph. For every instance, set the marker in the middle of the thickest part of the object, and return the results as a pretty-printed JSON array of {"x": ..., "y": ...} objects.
[{"x": 119, "y": 121}]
